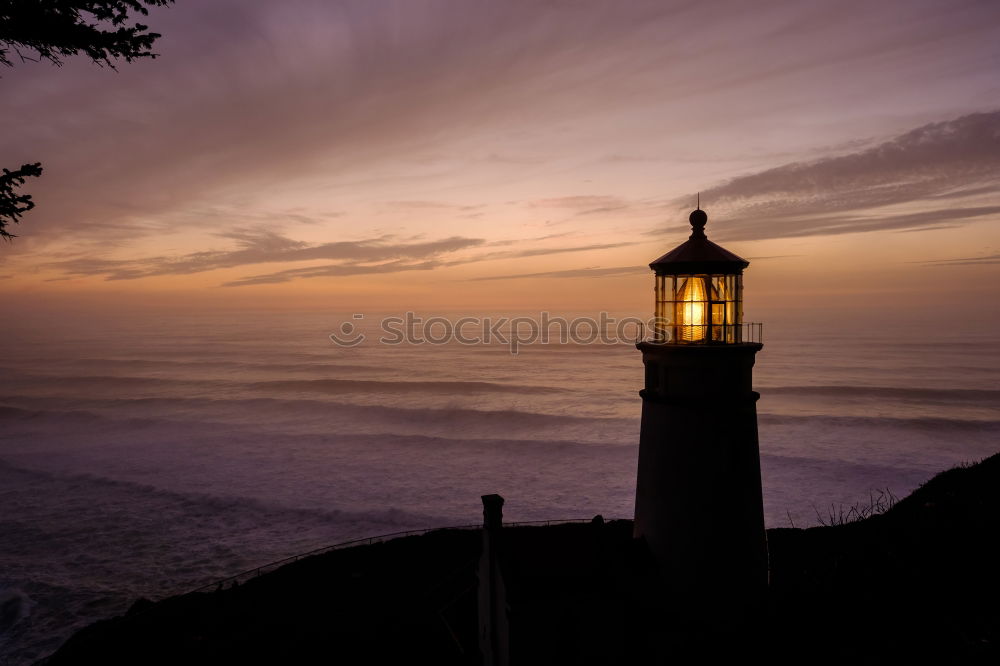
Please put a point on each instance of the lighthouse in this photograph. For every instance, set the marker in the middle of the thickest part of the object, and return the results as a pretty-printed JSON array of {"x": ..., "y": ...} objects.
[{"x": 698, "y": 502}]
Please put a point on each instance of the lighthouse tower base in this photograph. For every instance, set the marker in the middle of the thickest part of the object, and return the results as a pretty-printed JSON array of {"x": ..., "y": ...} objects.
[{"x": 698, "y": 494}]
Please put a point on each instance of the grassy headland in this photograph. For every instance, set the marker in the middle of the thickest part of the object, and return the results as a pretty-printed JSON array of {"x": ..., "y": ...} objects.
[{"x": 918, "y": 583}]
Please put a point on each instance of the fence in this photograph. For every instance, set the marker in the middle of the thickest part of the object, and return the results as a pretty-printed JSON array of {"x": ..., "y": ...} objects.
[
  {"x": 365, "y": 541},
  {"x": 704, "y": 333}
]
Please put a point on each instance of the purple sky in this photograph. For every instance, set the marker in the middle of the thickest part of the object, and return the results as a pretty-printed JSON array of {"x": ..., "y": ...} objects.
[{"x": 473, "y": 154}]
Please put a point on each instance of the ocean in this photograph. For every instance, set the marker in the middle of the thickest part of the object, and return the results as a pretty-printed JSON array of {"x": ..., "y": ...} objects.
[{"x": 147, "y": 456}]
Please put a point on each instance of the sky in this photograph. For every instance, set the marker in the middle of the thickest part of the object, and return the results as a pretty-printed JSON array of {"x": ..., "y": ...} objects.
[{"x": 519, "y": 155}]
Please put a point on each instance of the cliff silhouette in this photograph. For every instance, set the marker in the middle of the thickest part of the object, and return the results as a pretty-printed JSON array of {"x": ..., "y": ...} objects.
[{"x": 916, "y": 584}]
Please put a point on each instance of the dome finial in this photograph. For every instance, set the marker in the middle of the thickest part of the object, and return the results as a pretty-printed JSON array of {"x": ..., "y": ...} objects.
[{"x": 698, "y": 218}]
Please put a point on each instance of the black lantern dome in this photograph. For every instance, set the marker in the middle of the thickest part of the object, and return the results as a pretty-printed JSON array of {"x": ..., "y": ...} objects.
[
  {"x": 698, "y": 254},
  {"x": 699, "y": 291}
]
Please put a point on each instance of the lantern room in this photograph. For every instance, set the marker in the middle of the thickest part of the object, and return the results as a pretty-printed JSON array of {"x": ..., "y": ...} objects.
[{"x": 699, "y": 292}]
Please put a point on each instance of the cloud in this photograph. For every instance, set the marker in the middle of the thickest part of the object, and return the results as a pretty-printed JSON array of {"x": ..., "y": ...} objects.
[
  {"x": 921, "y": 229},
  {"x": 580, "y": 205},
  {"x": 572, "y": 273},
  {"x": 542, "y": 251},
  {"x": 358, "y": 268},
  {"x": 337, "y": 270},
  {"x": 272, "y": 113},
  {"x": 257, "y": 247},
  {"x": 956, "y": 160},
  {"x": 249, "y": 95},
  {"x": 580, "y": 202},
  {"x": 596, "y": 272},
  {"x": 430, "y": 205},
  {"x": 964, "y": 261},
  {"x": 379, "y": 255}
]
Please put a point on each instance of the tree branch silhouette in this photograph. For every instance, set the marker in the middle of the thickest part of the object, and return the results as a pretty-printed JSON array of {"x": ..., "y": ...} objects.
[
  {"x": 36, "y": 30},
  {"x": 13, "y": 204},
  {"x": 99, "y": 29}
]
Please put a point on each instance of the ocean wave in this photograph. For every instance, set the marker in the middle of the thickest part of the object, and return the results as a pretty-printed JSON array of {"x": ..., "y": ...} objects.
[
  {"x": 15, "y": 605},
  {"x": 290, "y": 409},
  {"x": 85, "y": 546},
  {"x": 325, "y": 385},
  {"x": 126, "y": 382},
  {"x": 140, "y": 364},
  {"x": 390, "y": 516},
  {"x": 884, "y": 422},
  {"x": 344, "y": 417},
  {"x": 932, "y": 395},
  {"x": 7, "y": 412},
  {"x": 338, "y": 386}
]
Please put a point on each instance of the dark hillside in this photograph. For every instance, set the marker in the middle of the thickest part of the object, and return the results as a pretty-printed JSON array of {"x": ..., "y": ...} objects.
[
  {"x": 921, "y": 581},
  {"x": 917, "y": 584}
]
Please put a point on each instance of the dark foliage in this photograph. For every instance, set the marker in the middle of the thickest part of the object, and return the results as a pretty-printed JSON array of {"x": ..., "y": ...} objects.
[
  {"x": 13, "y": 204},
  {"x": 99, "y": 29},
  {"x": 34, "y": 30}
]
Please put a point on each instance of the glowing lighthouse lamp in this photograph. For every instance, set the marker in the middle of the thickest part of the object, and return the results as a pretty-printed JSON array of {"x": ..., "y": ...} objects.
[
  {"x": 699, "y": 290},
  {"x": 698, "y": 492}
]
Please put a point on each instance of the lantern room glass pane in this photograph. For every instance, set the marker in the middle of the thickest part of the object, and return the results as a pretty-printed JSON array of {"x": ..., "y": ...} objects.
[
  {"x": 698, "y": 309},
  {"x": 692, "y": 309}
]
